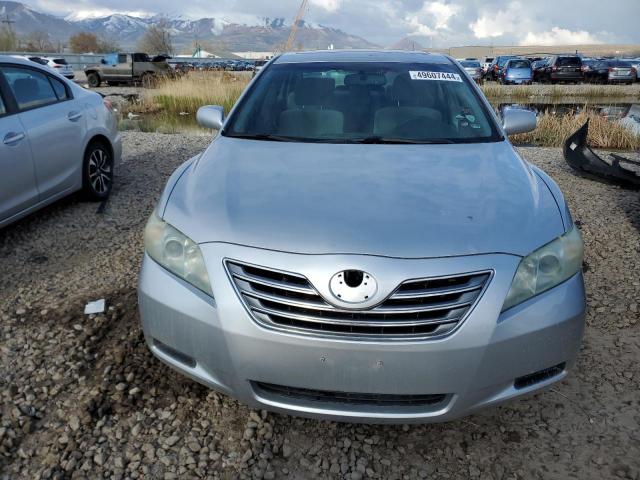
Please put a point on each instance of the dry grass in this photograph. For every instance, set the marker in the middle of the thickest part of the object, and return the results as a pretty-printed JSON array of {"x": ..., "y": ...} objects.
[
  {"x": 193, "y": 90},
  {"x": 557, "y": 92},
  {"x": 553, "y": 130}
]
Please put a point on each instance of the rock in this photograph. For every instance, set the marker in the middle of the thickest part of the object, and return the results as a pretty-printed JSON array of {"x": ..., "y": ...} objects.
[
  {"x": 74, "y": 423},
  {"x": 286, "y": 450},
  {"x": 171, "y": 441}
]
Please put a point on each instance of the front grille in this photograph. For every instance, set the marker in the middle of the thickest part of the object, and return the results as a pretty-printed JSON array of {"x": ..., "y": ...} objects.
[
  {"x": 347, "y": 398},
  {"x": 416, "y": 309}
]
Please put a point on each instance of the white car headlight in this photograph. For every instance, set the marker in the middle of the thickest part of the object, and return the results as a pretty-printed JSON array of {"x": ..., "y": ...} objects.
[
  {"x": 176, "y": 252},
  {"x": 547, "y": 267}
]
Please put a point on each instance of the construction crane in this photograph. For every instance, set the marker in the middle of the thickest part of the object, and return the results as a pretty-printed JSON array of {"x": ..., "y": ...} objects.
[{"x": 304, "y": 5}]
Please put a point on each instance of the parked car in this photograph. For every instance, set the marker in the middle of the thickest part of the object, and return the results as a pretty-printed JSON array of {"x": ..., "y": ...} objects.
[
  {"x": 120, "y": 68},
  {"x": 595, "y": 71},
  {"x": 517, "y": 71},
  {"x": 495, "y": 70},
  {"x": 620, "y": 71},
  {"x": 38, "y": 60},
  {"x": 537, "y": 68},
  {"x": 366, "y": 245},
  {"x": 486, "y": 64},
  {"x": 563, "y": 68},
  {"x": 61, "y": 66},
  {"x": 635, "y": 63},
  {"x": 56, "y": 137},
  {"x": 473, "y": 68}
]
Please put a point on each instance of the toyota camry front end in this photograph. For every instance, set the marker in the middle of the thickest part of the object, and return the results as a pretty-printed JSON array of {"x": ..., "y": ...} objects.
[{"x": 361, "y": 242}]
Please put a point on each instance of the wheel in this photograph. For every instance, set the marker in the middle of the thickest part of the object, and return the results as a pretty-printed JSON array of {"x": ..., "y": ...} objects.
[
  {"x": 94, "y": 80},
  {"x": 97, "y": 172},
  {"x": 147, "y": 80}
]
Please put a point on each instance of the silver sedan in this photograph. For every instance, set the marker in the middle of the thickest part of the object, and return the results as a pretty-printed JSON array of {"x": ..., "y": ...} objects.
[
  {"x": 55, "y": 138},
  {"x": 361, "y": 242}
]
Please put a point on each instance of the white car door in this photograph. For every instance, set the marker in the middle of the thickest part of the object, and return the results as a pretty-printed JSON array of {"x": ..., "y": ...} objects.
[
  {"x": 18, "y": 189},
  {"x": 55, "y": 125}
]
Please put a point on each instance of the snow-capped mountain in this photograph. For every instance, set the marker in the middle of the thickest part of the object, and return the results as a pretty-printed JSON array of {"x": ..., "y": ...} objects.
[{"x": 215, "y": 33}]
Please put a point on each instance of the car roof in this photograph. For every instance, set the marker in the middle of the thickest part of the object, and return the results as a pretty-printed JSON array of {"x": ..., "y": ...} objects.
[
  {"x": 399, "y": 56},
  {"x": 18, "y": 59}
]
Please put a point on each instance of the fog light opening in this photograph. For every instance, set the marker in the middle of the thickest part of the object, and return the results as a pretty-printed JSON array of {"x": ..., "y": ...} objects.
[
  {"x": 539, "y": 376},
  {"x": 174, "y": 354}
]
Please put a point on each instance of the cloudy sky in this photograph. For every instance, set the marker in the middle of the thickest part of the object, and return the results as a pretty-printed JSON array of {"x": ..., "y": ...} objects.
[{"x": 439, "y": 23}]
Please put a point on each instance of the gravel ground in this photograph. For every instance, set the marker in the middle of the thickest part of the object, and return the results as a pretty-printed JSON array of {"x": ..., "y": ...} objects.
[{"x": 82, "y": 397}]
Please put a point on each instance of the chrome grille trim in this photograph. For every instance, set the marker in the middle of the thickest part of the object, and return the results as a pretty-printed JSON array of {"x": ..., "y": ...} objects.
[{"x": 417, "y": 309}]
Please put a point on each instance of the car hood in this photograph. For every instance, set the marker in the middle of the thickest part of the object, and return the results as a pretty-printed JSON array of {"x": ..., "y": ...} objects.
[{"x": 411, "y": 201}]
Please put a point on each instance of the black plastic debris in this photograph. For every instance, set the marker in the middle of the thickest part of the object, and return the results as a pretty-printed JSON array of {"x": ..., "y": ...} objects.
[{"x": 585, "y": 161}]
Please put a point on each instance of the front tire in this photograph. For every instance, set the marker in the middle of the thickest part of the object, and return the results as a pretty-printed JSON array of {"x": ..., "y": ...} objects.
[
  {"x": 94, "y": 80},
  {"x": 97, "y": 172}
]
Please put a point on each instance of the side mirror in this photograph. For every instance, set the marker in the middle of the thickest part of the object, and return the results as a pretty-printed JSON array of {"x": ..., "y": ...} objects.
[
  {"x": 210, "y": 116},
  {"x": 516, "y": 120}
]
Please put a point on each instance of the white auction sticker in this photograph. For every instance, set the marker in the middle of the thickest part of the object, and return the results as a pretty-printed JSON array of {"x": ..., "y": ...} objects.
[{"x": 444, "y": 76}]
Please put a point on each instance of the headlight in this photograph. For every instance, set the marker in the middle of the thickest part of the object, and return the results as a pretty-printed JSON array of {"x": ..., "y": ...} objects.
[
  {"x": 176, "y": 252},
  {"x": 547, "y": 267}
]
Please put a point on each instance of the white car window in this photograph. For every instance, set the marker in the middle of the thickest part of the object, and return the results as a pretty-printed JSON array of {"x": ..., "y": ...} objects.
[
  {"x": 31, "y": 88},
  {"x": 60, "y": 89},
  {"x": 3, "y": 110}
]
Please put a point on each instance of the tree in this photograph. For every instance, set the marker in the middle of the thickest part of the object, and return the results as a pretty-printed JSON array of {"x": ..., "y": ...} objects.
[
  {"x": 157, "y": 39},
  {"x": 38, "y": 41},
  {"x": 107, "y": 45},
  {"x": 8, "y": 40},
  {"x": 87, "y": 42},
  {"x": 84, "y": 42}
]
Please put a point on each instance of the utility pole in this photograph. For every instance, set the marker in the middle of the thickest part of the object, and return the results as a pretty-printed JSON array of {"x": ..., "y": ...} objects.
[{"x": 8, "y": 22}]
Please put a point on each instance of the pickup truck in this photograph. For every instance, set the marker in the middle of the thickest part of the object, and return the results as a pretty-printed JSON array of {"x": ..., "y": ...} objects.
[{"x": 118, "y": 68}]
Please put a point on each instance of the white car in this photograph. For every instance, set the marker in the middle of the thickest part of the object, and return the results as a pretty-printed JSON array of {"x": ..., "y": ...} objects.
[
  {"x": 486, "y": 64},
  {"x": 55, "y": 138},
  {"x": 61, "y": 66}
]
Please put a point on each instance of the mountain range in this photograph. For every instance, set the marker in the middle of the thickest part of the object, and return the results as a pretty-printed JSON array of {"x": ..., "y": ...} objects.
[{"x": 214, "y": 34}]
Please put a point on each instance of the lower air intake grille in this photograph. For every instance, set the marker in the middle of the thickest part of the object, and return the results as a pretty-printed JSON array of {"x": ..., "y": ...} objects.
[
  {"x": 326, "y": 396},
  {"x": 419, "y": 308}
]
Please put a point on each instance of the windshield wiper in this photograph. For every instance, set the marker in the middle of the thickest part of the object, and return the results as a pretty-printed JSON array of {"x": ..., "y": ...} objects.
[
  {"x": 264, "y": 136},
  {"x": 391, "y": 140}
]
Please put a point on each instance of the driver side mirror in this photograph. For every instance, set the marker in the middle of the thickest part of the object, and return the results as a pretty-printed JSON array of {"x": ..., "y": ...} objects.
[
  {"x": 517, "y": 120},
  {"x": 210, "y": 116}
]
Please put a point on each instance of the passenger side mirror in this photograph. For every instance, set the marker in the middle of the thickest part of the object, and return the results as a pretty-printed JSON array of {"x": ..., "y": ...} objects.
[
  {"x": 210, "y": 116},
  {"x": 517, "y": 120}
]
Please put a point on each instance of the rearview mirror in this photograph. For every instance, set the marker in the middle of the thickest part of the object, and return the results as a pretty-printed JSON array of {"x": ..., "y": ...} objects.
[
  {"x": 210, "y": 116},
  {"x": 517, "y": 120}
]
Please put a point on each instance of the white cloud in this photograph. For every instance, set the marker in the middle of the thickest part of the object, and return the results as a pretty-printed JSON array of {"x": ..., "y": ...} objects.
[
  {"x": 442, "y": 12},
  {"x": 496, "y": 23},
  {"x": 329, "y": 5},
  {"x": 433, "y": 16},
  {"x": 559, "y": 36},
  {"x": 419, "y": 28},
  {"x": 517, "y": 22}
]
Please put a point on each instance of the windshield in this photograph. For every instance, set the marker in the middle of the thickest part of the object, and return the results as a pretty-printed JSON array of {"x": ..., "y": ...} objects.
[
  {"x": 519, "y": 64},
  {"x": 362, "y": 102},
  {"x": 569, "y": 62},
  {"x": 619, "y": 63},
  {"x": 470, "y": 63},
  {"x": 503, "y": 60}
]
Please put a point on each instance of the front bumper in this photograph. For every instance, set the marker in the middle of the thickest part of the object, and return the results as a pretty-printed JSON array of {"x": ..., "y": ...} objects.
[{"x": 217, "y": 343}]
